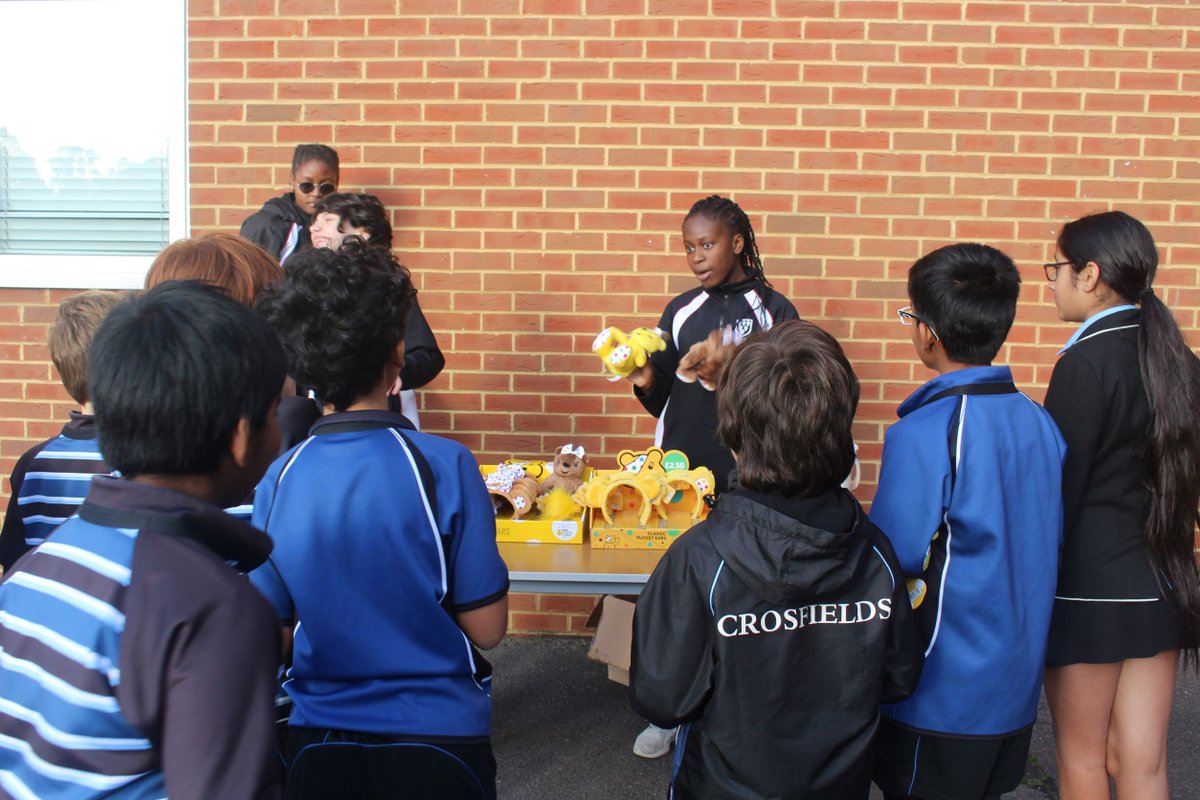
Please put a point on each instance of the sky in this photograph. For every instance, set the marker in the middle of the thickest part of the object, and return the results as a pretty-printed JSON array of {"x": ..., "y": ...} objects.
[{"x": 100, "y": 74}]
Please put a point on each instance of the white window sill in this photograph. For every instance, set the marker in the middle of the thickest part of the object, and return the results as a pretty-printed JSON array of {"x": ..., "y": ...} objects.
[{"x": 73, "y": 272}]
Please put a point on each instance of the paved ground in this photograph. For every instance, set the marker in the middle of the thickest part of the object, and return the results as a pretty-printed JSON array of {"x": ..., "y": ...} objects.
[{"x": 563, "y": 731}]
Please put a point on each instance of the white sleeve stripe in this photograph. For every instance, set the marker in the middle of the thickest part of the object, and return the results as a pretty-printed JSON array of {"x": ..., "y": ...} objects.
[
  {"x": 15, "y": 786},
  {"x": 57, "y": 686},
  {"x": 885, "y": 564},
  {"x": 292, "y": 460},
  {"x": 62, "y": 645},
  {"x": 660, "y": 426},
  {"x": 96, "y": 563},
  {"x": 713, "y": 588},
  {"x": 83, "y": 601},
  {"x": 48, "y": 498},
  {"x": 65, "y": 739},
  {"x": 68, "y": 455},
  {"x": 937, "y": 625},
  {"x": 91, "y": 780},
  {"x": 61, "y": 476},
  {"x": 684, "y": 315},
  {"x": 765, "y": 320},
  {"x": 35, "y": 519},
  {"x": 433, "y": 524}
]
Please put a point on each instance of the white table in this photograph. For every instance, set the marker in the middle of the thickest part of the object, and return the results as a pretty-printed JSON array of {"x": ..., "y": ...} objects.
[{"x": 576, "y": 568}]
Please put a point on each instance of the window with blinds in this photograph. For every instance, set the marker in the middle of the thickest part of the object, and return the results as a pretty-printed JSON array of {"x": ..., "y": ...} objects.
[
  {"x": 93, "y": 138},
  {"x": 74, "y": 203}
]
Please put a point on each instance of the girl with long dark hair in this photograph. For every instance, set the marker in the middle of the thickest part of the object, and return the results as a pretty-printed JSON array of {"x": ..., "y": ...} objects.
[{"x": 1126, "y": 395}]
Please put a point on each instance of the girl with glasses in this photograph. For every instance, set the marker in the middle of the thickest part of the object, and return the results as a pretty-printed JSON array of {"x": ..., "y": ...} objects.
[
  {"x": 1126, "y": 395},
  {"x": 281, "y": 225}
]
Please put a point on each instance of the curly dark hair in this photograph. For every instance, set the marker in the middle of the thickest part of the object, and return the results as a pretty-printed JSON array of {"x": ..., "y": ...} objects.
[
  {"x": 362, "y": 211},
  {"x": 340, "y": 315}
]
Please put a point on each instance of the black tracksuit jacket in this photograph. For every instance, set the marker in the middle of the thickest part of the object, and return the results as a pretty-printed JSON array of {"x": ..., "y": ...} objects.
[
  {"x": 773, "y": 631},
  {"x": 687, "y": 412}
]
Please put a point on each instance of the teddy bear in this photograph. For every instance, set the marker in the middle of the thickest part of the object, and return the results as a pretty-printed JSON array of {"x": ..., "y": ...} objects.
[
  {"x": 705, "y": 360},
  {"x": 623, "y": 355},
  {"x": 566, "y": 470}
]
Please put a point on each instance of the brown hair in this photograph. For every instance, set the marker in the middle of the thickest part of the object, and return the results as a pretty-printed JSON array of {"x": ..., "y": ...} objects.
[
  {"x": 237, "y": 265},
  {"x": 785, "y": 404},
  {"x": 71, "y": 337}
]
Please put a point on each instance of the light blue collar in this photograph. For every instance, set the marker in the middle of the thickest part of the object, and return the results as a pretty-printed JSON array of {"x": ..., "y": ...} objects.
[{"x": 1099, "y": 315}]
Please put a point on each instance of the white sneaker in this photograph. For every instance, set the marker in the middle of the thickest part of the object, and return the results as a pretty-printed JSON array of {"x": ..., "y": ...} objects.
[{"x": 654, "y": 742}]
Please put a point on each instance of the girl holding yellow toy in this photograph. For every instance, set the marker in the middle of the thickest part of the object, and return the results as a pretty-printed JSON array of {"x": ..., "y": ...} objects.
[{"x": 734, "y": 294}]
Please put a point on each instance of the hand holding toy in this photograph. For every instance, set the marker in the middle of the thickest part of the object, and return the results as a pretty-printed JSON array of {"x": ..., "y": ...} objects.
[{"x": 624, "y": 354}]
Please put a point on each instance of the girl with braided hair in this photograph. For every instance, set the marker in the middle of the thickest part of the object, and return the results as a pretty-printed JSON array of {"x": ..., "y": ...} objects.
[
  {"x": 1126, "y": 396},
  {"x": 723, "y": 255}
]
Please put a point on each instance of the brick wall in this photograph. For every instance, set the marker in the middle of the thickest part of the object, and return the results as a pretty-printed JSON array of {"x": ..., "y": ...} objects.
[{"x": 539, "y": 156}]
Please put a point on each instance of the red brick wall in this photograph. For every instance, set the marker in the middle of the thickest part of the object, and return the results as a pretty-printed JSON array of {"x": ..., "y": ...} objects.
[{"x": 539, "y": 156}]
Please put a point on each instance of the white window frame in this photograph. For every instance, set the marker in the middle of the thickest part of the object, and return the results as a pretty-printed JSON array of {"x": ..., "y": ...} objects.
[{"x": 18, "y": 271}]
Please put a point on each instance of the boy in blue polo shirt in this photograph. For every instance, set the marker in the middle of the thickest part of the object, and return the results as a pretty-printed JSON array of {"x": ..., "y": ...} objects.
[
  {"x": 970, "y": 497},
  {"x": 385, "y": 559}
]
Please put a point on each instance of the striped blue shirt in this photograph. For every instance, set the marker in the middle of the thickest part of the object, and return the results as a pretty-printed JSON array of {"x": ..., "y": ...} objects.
[
  {"x": 49, "y": 484},
  {"x": 62, "y": 732}
]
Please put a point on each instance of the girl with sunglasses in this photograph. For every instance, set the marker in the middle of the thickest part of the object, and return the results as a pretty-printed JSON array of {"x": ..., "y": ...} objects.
[{"x": 281, "y": 225}]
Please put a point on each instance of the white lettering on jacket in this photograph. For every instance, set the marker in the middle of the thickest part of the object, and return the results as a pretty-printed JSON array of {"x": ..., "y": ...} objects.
[{"x": 792, "y": 619}]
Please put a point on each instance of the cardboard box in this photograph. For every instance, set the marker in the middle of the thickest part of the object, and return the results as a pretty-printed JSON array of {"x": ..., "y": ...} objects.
[
  {"x": 549, "y": 531},
  {"x": 613, "y": 641}
]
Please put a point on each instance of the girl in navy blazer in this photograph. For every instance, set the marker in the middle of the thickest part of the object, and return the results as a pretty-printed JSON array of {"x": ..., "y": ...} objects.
[{"x": 1126, "y": 395}]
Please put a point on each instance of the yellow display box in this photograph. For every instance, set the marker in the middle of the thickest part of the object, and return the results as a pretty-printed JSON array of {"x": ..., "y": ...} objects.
[
  {"x": 533, "y": 529},
  {"x": 623, "y": 522},
  {"x": 625, "y": 532}
]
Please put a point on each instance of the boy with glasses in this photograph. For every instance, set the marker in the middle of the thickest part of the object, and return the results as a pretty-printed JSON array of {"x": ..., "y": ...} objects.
[{"x": 970, "y": 497}]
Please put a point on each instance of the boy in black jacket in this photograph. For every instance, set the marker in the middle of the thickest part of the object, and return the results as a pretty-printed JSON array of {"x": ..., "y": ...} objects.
[{"x": 774, "y": 629}]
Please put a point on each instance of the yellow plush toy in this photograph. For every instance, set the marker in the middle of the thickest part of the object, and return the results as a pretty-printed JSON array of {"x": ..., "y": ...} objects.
[
  {"x": 634, "y": 492},
  {"x": 623, "y": 354},
  {"x": 691, "y": 486}
]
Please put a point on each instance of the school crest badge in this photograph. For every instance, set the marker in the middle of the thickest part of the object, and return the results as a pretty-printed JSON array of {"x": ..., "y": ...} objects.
[{"x": 744, "y": 327}]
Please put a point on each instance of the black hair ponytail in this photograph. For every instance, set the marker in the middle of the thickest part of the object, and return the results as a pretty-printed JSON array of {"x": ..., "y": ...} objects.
[
  {"x": 1171, "y": 374},
  {"x": 1125, "y": 252}
]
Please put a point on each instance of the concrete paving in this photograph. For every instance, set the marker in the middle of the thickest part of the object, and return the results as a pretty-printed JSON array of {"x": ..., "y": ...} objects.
[{"x": 563, "y": 731}]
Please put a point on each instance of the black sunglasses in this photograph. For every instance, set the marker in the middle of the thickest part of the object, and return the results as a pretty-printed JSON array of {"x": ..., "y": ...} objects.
[{"x": 308, "y": 186}]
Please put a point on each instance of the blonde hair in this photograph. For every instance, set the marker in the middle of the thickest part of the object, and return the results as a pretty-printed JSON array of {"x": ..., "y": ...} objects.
[
  {"x": 71, "y": 337},
  {"x": 237, "y": 265}
]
